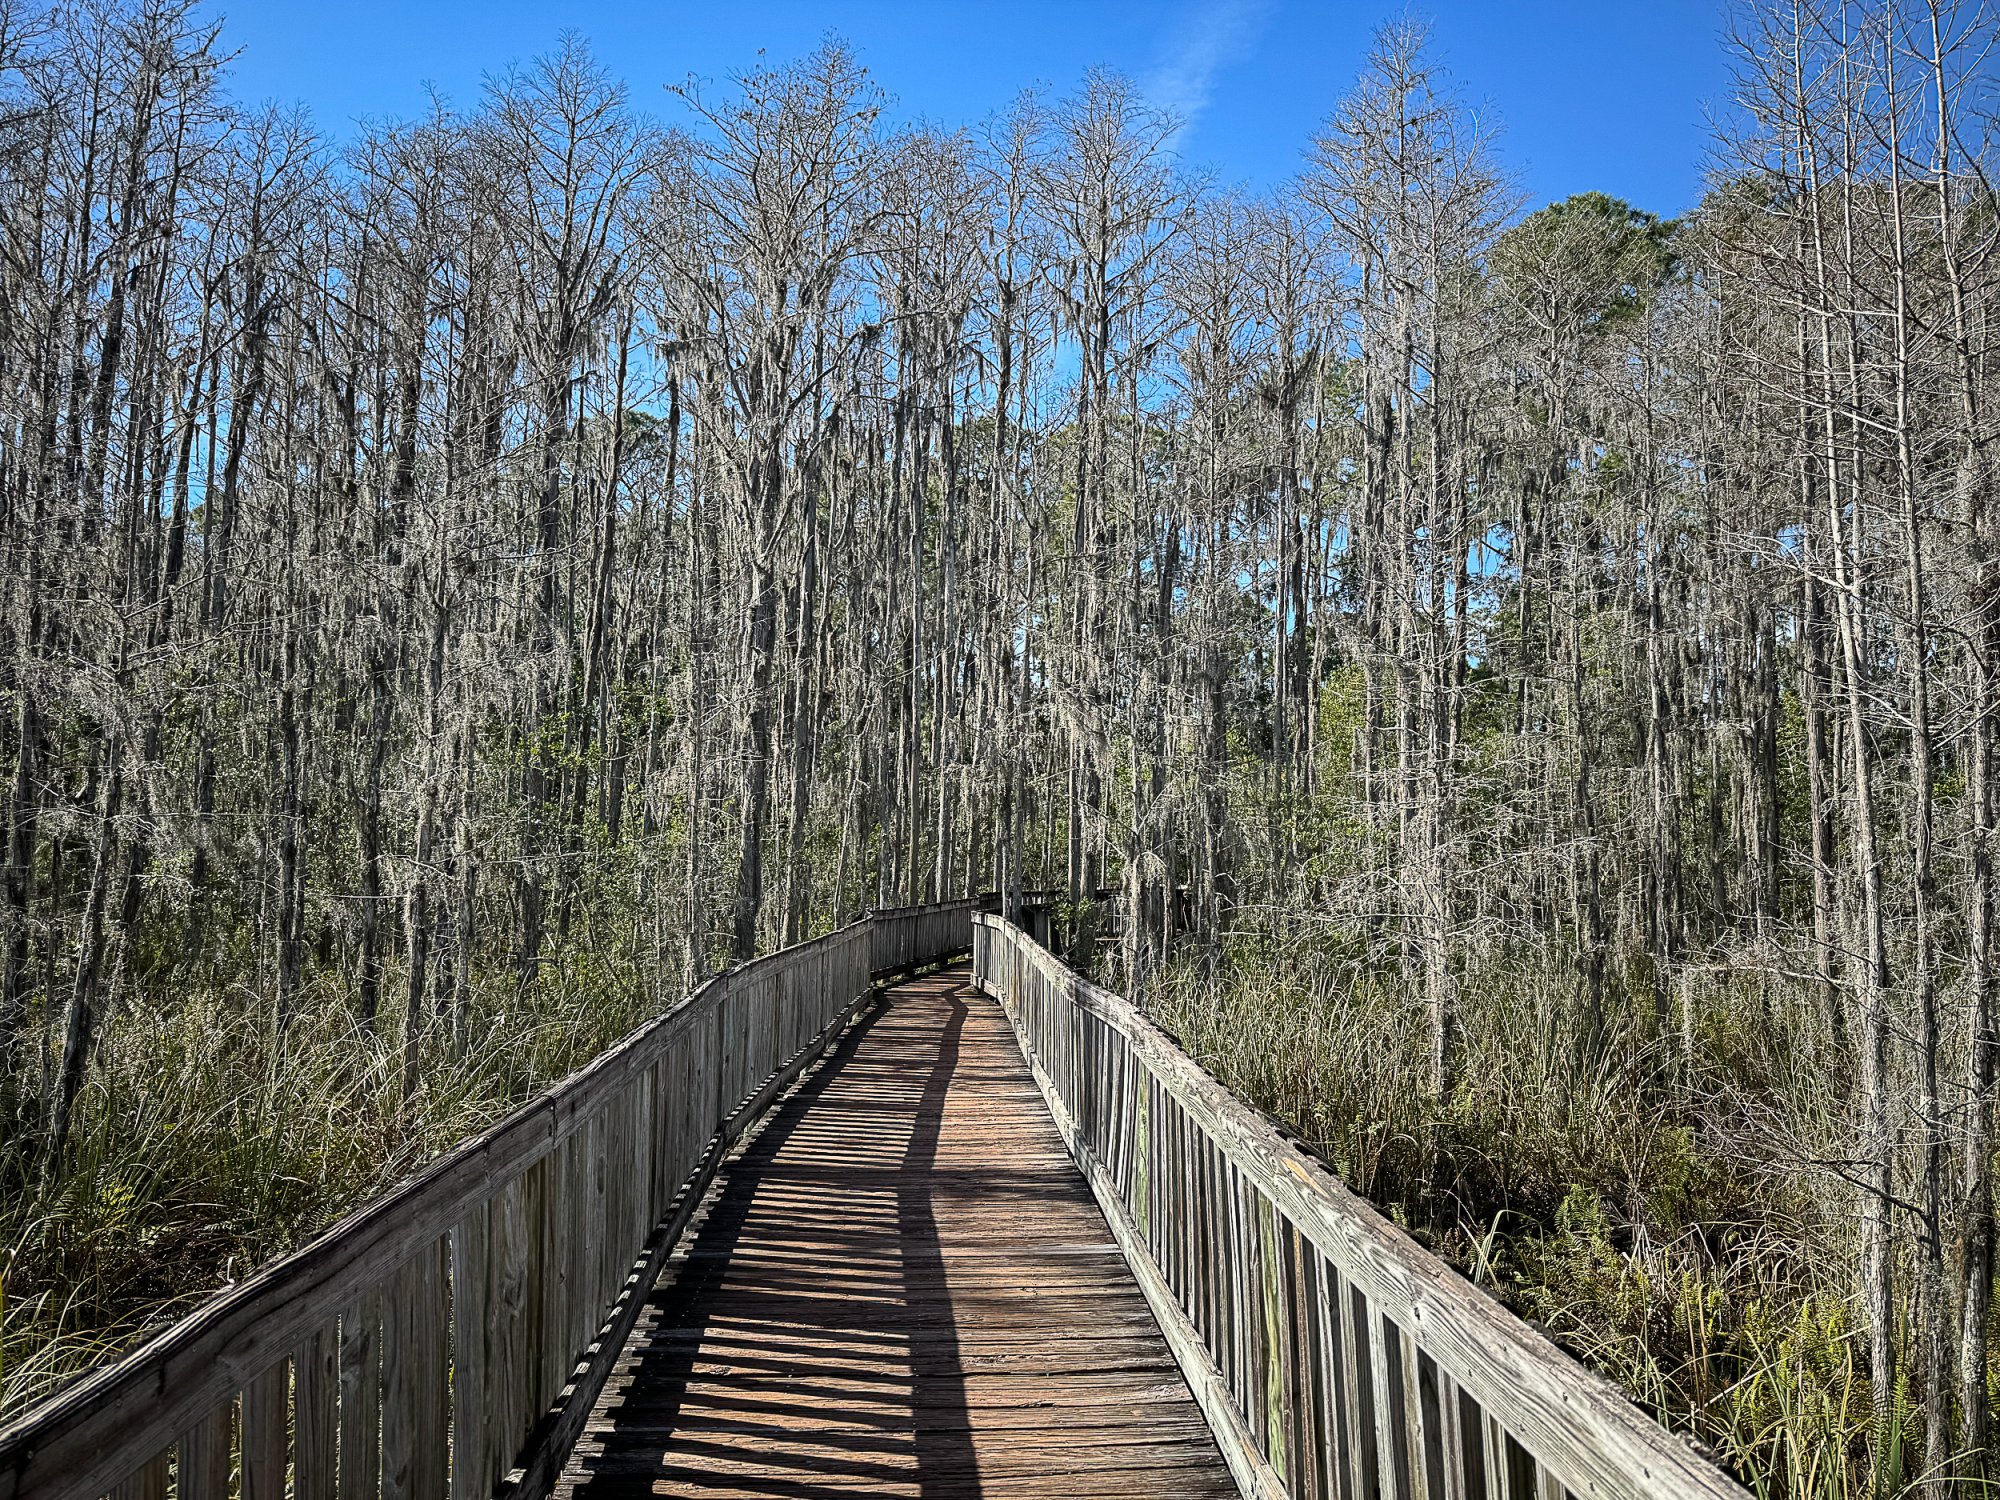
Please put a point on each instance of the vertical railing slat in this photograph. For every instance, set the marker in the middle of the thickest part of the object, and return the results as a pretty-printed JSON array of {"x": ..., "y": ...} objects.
[
  {"x": 414, "y": 1361},
  {"x": 316, "y": 1415},
  {"x": 1333, "y": 1351},
  {"x": 472, "y": 1475},
  {"x": 266, "y": 1422},
  {"x": 204, "y": 1455},
  {"x": 361, "y": 1398},
  {"x": 399, "y": 1393}
]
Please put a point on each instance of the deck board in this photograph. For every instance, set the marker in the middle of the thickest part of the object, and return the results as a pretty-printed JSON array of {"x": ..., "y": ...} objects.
[{"x": 901, "y": 1287}]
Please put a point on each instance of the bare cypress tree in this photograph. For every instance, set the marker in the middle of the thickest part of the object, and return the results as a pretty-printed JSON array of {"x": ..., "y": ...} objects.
[
  {"x": 1405, "y": 176},
  {"x": 566, "y": 154},
  {"x": 779, "y": 189}
]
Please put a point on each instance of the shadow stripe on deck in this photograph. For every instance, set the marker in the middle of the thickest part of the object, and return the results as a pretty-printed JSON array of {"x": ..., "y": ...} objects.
[{"x": 900, "y": 1287}]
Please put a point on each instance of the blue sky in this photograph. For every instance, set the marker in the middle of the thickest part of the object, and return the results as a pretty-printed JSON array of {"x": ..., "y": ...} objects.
[{"x": 1613, "y": 95}]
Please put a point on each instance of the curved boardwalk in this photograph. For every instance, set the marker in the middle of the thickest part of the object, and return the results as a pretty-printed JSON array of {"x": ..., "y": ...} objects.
[{"x": 900, "y": 1287}]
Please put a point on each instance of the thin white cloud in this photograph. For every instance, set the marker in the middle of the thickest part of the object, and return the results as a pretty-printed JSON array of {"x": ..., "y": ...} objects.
[{"x": 1207, "y": 37}]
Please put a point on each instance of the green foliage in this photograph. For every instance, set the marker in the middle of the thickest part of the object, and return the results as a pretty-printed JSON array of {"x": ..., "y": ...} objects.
[{"x": 1586, "y": 264}]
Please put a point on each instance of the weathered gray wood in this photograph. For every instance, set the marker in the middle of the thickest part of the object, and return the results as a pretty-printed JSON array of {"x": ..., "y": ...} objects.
[
  {"x": 549, "y": 1193},
  {"x": 1457, "y": 1479},
  {"x": 908, "y": 937},
  {"x": 316, "y": 1415},
  {"x": 430, "y": 1370},
  {"x": 1410, "y": 1334},
  {"x": 204, "y": 1454},
  {"x": 1391, "y": 1450},
  {"x": 152, "y": 1481},
  {"x": 401, "y": 1397},
  {"x": 63, "y": 1449},
  {"x": 539, "y": 1473},
  {"x": 509, "y": 1336},
  {"x": 85, "y": 1440},
  {"x": 1358, "y": 1363},
  {"x": 1325, "y": 1436},
  {"x": 867, "y": 1312},
  {"x": 1495, "y": 1453},
  {"x": 149, "y": 1483},
  {"x": 1233, "y": 1436},
  {"x": 266, "y": 1402},
  {"x": 361, "y": 1398},
  {"x": 437, "y": 1328},
  {"x": 472, "y": 1465},
  {"x": 544, "y": 1212}
]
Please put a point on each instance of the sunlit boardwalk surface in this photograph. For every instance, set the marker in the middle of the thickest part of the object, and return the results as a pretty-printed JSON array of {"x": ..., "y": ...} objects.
[{"x": 901, "y": 1287}]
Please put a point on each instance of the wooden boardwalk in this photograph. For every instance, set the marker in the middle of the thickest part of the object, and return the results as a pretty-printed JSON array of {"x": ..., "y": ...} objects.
[
  {"x": 902, "y": 1286},
  {"x": 667, "y": 1275}
]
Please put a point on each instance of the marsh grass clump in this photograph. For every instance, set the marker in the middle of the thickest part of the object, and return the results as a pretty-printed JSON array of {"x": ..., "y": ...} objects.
[{"x": 201, "y": 1152}]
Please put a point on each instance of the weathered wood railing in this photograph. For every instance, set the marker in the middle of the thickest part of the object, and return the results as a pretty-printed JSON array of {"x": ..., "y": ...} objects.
[
  {"x": 446, "y": 1341},
  {"x": 1332, "y": 1355},
  {"x": 906, "y": 936}
]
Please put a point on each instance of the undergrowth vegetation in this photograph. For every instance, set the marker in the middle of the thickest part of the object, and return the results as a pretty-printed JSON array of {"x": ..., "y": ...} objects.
[{"x": 201, "y": 1152}]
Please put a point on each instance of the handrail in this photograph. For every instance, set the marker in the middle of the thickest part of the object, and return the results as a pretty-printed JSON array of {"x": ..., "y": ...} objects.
[
  {"x": 906, "y": 936},
  {"x": 446, "y": 1341},
  {"x": 1332, "y": 1355}
]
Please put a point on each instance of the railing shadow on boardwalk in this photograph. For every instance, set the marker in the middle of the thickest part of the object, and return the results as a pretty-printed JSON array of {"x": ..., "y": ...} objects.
[{"x": 823, "y": 1359}]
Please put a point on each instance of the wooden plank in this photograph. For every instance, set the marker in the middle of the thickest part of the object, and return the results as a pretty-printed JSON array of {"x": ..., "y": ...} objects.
[
  {"x": 1326, "y": 1436},
  {"x": 474, "y": 1469},
  {"x": 1494, "y": 1444},
  {"x": 1205, "y": 1377},
  {"x": 556, "y": 1211},
  {"x": 361, "y": 1399},
  {"x": 204, "y": 1455},
  {"x": 1479, "y": 1481},
  {"x": 86, "y": 1438},
  {"x": 1385, "y": 1371},
  {"x": 72, "y": 1446},
  {"x": 598, "y": 1244},
  {"x": 1419, "y": 1420},
  {"x": 1298, "y": 1368},
  {"x": 509, "y": 1329},
  {"x": 266, "y": 1422},
  {"x": 93, "y": 1436},
  {"x": 543, "y": 1467},
  {"x": 543, "y": 1185},
  {"x": 149, "y": 1483},
  {"x": 1462, "y": 1391},
  {"x": 316, "y": 1415},
  {"x": 429, "y": 1320},
  {"x": 1280, "y": 1354},
  {"x": 400, "y": 1373},
  {"x": 1357, "y": 1363},
  {"x": 1454, "y": 1480}
]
